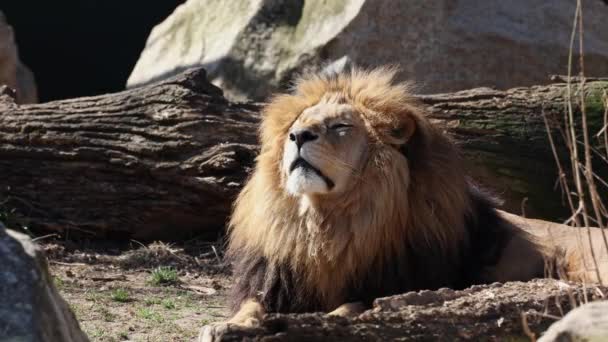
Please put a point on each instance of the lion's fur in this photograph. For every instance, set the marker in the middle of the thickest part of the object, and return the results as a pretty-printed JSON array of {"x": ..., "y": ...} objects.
[{"x": 412, "y": 221}]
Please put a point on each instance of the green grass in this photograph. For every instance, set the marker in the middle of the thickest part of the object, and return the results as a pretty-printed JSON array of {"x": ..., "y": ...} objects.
[
  {"x": 164, "y": 276},
  {"x": 98, "y": 333},
  {"x": 106, "y": 314},
  {"x": 150, "y": 314},
  {"x": 152, "y": 301},
  {"x": 76, "y": 309},
  {"x": 168, "y": 304},
  {"x": 58, "y": 282},
  {"x": 94, "y": 296},
  {"x": 121, "y": 296}
]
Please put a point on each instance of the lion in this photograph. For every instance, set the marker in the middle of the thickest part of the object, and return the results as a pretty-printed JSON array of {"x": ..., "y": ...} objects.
[{"x": 357, "y": 195}]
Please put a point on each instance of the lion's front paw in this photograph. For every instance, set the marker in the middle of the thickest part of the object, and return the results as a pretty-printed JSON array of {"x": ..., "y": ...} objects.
[
  {"x": 348, "y": 310},
  {"x": 213, "y": 332},
  {"x": 249, "y": 315}
]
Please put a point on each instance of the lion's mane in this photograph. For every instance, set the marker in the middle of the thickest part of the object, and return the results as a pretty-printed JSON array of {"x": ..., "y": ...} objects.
[{"x": 413, "y": 221}]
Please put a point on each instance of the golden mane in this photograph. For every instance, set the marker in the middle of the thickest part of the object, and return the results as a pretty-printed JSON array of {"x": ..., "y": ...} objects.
[{"x": 410, "y": 199}]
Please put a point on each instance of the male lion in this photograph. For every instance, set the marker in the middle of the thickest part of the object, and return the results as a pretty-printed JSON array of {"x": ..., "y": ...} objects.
[{"x": 356, "y": 195}]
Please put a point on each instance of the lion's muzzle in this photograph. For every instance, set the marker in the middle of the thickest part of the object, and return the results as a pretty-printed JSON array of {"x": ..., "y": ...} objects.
[{"x": 306, "y": 166}]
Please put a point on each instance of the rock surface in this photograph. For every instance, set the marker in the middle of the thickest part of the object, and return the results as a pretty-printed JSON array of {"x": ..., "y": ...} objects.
[
  {"x": 31, "y": 309},
  {"x": 588, "y": 322},
  {"x": 253, "y": 47},
  {"x": 13, "y": 72},
  {"x": 496, "y": 312}
]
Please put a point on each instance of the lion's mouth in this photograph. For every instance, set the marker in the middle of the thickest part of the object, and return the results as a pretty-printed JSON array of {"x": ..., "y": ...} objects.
[{"x": 301, "y": 162}]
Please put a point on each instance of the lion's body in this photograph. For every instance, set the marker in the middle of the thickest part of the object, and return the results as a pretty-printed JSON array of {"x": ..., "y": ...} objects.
[
  {"x": 411, "y": 220},
  {"x": 411, "y": 265}
]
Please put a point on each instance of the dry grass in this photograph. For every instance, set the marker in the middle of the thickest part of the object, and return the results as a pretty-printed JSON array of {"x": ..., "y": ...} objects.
[
  {"x": 154, "y": 254},
  {"x": 577, "y": 178}
]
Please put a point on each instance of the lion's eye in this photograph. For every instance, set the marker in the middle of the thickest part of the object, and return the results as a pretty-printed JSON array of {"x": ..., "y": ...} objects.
[{"x": 340, "y": 126}]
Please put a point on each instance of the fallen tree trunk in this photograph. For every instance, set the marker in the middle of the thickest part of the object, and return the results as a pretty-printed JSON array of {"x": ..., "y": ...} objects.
[
  {"x": 498, "y": 312},
  {"x": 157, "y": 162},
  {"x": 504, "y": 136},
  {"x": 166, "y": 160}
]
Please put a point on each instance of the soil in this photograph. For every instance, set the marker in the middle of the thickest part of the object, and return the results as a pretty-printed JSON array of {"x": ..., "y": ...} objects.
[
  {"x": 162, "y": 292},
  {"x": 118, "y": 294}
]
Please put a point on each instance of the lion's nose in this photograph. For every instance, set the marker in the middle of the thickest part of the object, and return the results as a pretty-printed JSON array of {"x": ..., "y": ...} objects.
[{"x": 302, "y": 136}]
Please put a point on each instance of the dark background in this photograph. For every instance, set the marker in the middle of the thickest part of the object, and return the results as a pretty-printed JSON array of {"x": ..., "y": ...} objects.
[{"x": 82, "y": 47}]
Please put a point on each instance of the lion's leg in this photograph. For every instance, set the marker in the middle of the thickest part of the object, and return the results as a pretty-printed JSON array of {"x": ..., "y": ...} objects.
[
  {"x": 349, "y": 310},
  {"x": 250, "y": 314}
]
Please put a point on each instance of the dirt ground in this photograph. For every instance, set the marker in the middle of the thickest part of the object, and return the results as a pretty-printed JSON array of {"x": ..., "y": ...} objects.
[{"x": 136, "y": 292}]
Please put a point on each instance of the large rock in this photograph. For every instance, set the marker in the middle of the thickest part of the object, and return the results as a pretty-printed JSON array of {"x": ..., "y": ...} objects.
[
  {"x": 251, "y": 48},
  {"x": 31, "y": 309},
  {"x": 588, "y": 322},
  {"x": 13, "y": 72}
]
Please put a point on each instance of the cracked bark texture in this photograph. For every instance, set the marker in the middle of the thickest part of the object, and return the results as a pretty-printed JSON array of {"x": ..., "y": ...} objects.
[
  {"x": 503, "y": 135},
  {"x": 157, "y": 162},
  {"x": 481, "y": 313},
  {"x": 165, "y": 161}
]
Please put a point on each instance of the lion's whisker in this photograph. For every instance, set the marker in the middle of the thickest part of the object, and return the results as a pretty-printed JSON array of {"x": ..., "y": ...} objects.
[{"x": 344, "y": 166}]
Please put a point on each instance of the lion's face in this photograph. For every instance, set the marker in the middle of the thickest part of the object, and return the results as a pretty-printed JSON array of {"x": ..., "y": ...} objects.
[{"x": 324, "y": 150}]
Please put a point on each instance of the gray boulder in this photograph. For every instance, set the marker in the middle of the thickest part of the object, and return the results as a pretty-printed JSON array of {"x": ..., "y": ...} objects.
[
  {"x": 252, "y": 48},
  {"x": 588, "y": 322},
  {"x": 31, "y": 309}
]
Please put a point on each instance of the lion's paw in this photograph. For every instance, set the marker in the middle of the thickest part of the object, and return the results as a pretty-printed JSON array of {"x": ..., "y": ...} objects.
[
  {"x": 215, "y": 331},
  {"x": 348, "y": 310}
]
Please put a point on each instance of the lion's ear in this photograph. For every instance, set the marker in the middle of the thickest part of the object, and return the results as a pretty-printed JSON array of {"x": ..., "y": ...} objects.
[{"x": 403, "y": 133}]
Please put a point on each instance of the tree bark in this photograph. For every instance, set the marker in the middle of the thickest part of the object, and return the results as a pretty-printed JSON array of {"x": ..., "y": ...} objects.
[
  {"x": 504, "y": 137},
  {"x": 163, "y": 161},
  {"x": 166, "y": 160}
]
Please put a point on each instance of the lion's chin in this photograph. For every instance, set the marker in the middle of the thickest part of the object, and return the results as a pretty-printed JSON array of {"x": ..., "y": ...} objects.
[{"x": 303, "y": 181}]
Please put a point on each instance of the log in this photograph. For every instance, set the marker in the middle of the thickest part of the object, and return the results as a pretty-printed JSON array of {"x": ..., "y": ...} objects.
[
  {"x": 158, "y": 162},
  {"x": 504, "y": 137},
  {"x": 514, "y": 311},
  {"x": 165, "y": 161}
]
